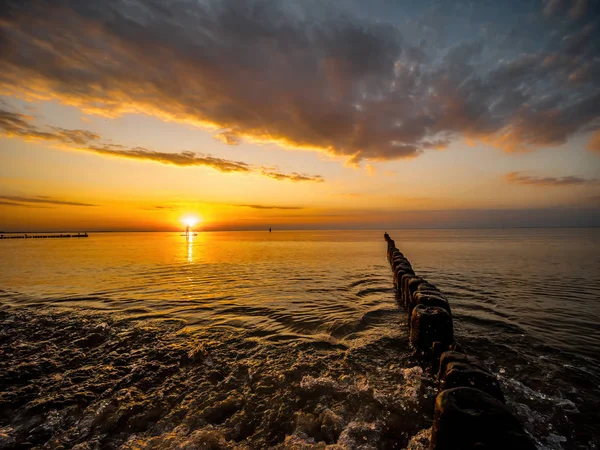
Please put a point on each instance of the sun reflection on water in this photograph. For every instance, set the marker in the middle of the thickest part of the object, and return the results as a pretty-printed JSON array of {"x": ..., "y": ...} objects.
[{"x": 190, "y": 248}]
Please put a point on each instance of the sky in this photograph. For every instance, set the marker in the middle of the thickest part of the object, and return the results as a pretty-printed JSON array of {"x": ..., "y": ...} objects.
[{"x": 339, "y": 114}]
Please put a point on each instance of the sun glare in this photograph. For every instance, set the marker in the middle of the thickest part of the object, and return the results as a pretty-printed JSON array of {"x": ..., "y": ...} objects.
[{"x": 191, "y": 221}]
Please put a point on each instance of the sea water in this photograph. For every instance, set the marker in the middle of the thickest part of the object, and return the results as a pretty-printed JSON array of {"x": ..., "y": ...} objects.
[{"x": 289, "y": 339}]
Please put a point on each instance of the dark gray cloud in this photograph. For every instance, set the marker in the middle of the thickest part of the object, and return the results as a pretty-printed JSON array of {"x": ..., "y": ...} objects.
[
  {"x": 304, "y": 75},
  {"x": 268, "y": 206},
  {"x": 574, "y": 9},
  {"x": 520, "y": 178},
  {"x": 16, "y": 200},
  {"x": 19, "y": 125}
]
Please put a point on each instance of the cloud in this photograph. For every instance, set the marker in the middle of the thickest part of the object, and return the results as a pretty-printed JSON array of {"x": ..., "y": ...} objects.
[
  {"x": 311, "y": 75},
  {"x": 519, "y": 178},
  {"x": 228, "y": 137},
  {"x": 268, "y": 206},
  {"x": 16, "y": 200},
  {"x": 19, "y": 125},
  {"x": 160, "y": 208},
  {"x": 294, "y": 176},
  {"x": 575, "y": 9},
  {"x": 182, "y": 159},
  {"x": 24, "y": 205},
  {"x": 593, "y": 144}
]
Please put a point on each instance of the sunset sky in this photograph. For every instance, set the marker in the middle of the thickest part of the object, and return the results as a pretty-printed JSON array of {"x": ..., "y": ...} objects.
[{"x": 131, "y": 114}]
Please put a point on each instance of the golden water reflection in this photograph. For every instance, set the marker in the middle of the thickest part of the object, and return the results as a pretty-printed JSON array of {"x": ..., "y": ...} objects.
[{"x": 190, "y": 248}]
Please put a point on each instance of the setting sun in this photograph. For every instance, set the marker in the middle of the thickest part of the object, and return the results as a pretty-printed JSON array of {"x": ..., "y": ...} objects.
[{"x": 190, "y": 221}]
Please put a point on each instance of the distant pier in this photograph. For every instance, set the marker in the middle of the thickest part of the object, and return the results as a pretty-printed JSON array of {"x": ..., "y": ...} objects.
[{"x": 43, "y": 236}]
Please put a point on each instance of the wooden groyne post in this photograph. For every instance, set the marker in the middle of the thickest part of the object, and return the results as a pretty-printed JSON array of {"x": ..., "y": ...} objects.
[{"x": 470, "y": 410}]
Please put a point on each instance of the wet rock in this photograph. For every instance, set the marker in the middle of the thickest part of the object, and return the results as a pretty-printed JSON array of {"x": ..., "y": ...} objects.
[
  {"x": 454, "y": 356},
  {"x": 429, "y": 324},
  {"x": 427, "y": 298},
  {"x": 92, "y": 340},
  {"x": 399, "y": 272},
  {"x": 215, "y": 376},
  {"x": 360, "y": 435},
  {"x": 423, "y": 286},
  {"x": 332, "y": 426},
  {"x": 142, "y": 420},
  {"x": 460, "y": 374},
  {"x": 437, "y": 350},
  {"x": 220, "y": 411},
  {"x": 427, "y": 287},
  {"x": 411, "y": 286},
  {"x": 398, "y": 262},
  {"x": 456, "y": 347},
  {"x": 402, "y": 286},
  {"x": 403, "y": 268},
  {"x": 397, "y": 259},
  {"x": 467, "y": 418}
]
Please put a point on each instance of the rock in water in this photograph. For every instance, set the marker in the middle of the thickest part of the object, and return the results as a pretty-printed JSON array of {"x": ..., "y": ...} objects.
[
  {"x": 467, "y": 418},
  {"x": 427, "y": 298},
  {"x": 429, "y": 324},
  {"x": 459, "y": 374},
  {"x": 453, "y": 356}
]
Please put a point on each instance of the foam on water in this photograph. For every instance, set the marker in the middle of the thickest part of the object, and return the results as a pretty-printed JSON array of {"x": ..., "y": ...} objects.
[{"x": 97, "y": 381}]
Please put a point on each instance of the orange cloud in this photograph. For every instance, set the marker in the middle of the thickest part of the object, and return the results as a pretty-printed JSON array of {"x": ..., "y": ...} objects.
[
  {"x": 594, "y": 143},
  {"x": 228, "y": 137},
  {"x": 20, "y": 126}
]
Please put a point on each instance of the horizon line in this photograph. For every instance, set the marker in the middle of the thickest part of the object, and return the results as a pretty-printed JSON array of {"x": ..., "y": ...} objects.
[{"x": 306, "y": 229}]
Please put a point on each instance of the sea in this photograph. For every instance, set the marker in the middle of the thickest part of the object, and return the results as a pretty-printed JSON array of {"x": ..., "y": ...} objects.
[{"x": 289, "y": 339}]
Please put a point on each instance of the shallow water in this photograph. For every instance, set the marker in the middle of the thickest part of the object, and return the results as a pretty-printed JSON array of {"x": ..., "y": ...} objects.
[{"x": 289, "y": 339}]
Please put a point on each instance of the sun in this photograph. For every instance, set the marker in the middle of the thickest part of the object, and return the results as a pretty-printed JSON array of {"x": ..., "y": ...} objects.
[{"x": 190, "y": 221}]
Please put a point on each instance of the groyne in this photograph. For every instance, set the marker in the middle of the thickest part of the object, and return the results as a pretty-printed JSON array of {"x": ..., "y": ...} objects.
[
  {"x": 44, "y": 236},
  {"x": 470, "y": 410}
]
